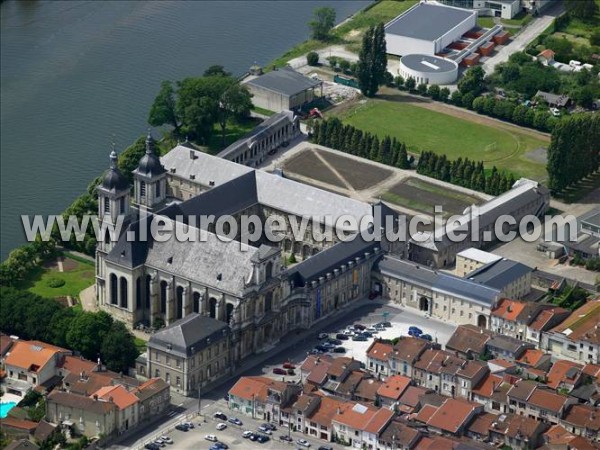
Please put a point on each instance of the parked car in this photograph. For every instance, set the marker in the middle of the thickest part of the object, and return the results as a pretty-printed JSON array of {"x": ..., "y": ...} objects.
[
  {"x": 214, "y": 447},
  {"x": 372, "y": 330},
  {"x": 246, "y": 434},
  {"x": 190, "y": 425},
  {"x": 221, "y": 445},
  {"x": 285, "y": 437},
  {"x": 303, "y": 442},
  {"x": 166, "y": 439},
  {"x": 151, "y": 446},
  {"x": 264, "y": 429},
  {"x": 334, "y": 341},
  {"x": 358, "y": 326},
  {"x": 387, "y": 324},
  {"x": 160, "y": 442},
  {"x": 341, "y": 337},
  {"x": 254, "y": 437},
  {"x": 339, "y": 350},
  {"x": 279, "y": 371},
  {"x": 270, "y": 426},
  {"x": 322, "y": 336},
  {"x": 235, "y": 421},
  {"x": 359, "y": 337},
  {"x": 367, "y": 334},
  {"x": 220, "y": 415},
  {"x": 181, "y": 427},
  {"x": 325, "y": 447},
  {"x": 288, "y": 365},
  {"x": 221, "y": 426},
  {"x": 415, "y": 330},
  {"x": 314, "y": 351},
  {"x": 262, "y": 438},
  {"x": 322, "y": 348},
  {"x": 427, "y": 337},
  {"x": 211, "y": 437}
]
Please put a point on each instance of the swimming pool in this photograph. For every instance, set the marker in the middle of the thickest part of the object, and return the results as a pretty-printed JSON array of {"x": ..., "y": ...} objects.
[{"x": 5, "y": 408}]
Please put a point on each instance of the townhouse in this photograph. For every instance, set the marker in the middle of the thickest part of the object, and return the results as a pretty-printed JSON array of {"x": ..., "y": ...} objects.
[
  {"x": 546, "y": 319},
  {"x": 578, "y": 337},
  {"x": 565, "y": 375},
  {"x": 453, "y": 417},
  {"x": 379, "y": 355},
  {"x": 359, "y": 426},
  {"x": 491, "y": 393},
  {"x": 127, "y": 404},
  {"x": 538, "y": 402},
  {"x": 506, "y": 347},
  {"x": 584, "y": 421},
  {"x": 391, "y": 390},
  {"x": 517, "y": 432},
  {"x": 468, "y": 341},
  {"x": 407, "y": 351},
  {"x": 398, "y": 436}
]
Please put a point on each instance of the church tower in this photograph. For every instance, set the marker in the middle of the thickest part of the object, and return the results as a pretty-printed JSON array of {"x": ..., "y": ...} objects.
[
  {"x": 150, "y": 179},
  {"x": 113, "y": 200}
]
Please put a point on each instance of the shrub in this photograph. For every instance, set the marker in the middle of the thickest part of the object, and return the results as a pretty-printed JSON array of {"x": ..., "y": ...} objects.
[
  {"x": 312, "y": 58},
  {"x": 55, "y": 282},
  {"x": 422, "y": 89},
  {"x": 292, "y": 259}
]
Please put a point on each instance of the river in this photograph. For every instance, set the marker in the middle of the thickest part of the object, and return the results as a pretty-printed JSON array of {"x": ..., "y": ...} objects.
[{"x": 74, "y": 74}]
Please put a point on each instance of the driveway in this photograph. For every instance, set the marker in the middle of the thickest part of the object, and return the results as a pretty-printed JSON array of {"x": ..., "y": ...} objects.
[{"x": 521, "y": 40}]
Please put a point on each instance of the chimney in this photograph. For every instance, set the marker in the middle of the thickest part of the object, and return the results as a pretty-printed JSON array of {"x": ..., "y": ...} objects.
[
  {"x": 192, "y": 154},
  {"x": 95, "y": 397}
]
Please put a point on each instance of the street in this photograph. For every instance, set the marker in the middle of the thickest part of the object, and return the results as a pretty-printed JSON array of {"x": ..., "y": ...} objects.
[{"x": 370, "y": 313}]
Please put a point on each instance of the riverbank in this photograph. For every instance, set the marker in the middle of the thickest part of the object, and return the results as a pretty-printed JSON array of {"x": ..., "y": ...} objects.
[{"x": 349, "y": 32}]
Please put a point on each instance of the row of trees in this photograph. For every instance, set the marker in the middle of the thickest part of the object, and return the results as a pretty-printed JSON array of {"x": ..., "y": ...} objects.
[
  {"x": 372, "y": 61},
  {"x": 92, "y": 334},
  {"x": 464, "y": 172},
  {"x": 574, "y": 152},
  {"x": 194, "y": 105},
  {"x": 349, "y": 139}
]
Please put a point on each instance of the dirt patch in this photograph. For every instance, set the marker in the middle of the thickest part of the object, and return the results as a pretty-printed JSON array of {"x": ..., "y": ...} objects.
[
  {"x": 539, "y": 155},
  {"x": 64, "y": 301},
  {"x": 69, "y": 264},
  {"x": 306, "y": 164},
  {"x": 359, "y": 175},
  {"x": 423, "y": 196}
]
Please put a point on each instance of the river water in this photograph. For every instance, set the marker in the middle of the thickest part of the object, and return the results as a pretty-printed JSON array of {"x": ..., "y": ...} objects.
[{"x": 76, "y": 73}]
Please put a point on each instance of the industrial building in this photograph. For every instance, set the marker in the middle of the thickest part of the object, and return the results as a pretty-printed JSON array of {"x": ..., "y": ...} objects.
[
  {"x": 281, "y": 90},
  {"x": 427, "y": 29},
  {"x": 505, "y": 9}
]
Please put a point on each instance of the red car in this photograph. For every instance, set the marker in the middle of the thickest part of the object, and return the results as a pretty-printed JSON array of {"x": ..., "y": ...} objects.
[
  {"x": 289, "y": 365},
  {"x": 279, "y": 371}
]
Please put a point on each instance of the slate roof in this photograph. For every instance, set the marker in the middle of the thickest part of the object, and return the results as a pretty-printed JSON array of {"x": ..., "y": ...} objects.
[
  {"x": 285, "y": 81},
  {"x": 438, "y": 281},
  {"x": 191, "y": 331},
  {"x": 427, "y": 22},
  {"x": 499, "y": 274},
  {"x": 149, "y": 165},
  {"x": 81, "y": 402},
  {"x": 553, "y": 99},
  {"x": 114, "y": 181},
  {"x": 507, "y": 343}
]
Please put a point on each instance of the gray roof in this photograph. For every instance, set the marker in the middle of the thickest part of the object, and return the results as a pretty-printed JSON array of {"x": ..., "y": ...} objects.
[
  {"x": 499, "y": 274},
  {"x": 553, "y": 99},
  {"x": 438, "y": 281},
  {"x": 428, "y": 63},
  {"x": 427, "y": 22},
  {"x": 506, "y": 343},
  {"x": 593, "y": 217},
  {"x": 193, "y": 330},
  {"x": 285, "y": 81},
  {"x": 268, "y": 127},
  {"x": 114, "y": 181},
  {"x": 149, "y": 165}
]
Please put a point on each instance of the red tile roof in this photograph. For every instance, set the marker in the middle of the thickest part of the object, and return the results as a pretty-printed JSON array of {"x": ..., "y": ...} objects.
[
  {"x": 452, "y": 415},
  {"x": 531, "y": 357},
  {"x": 327, "y": 409},
  {"x": 508, "y": 309},
  {"x": 560, "y": 371},
  {"x": 380, "y": 351},
  {"x": 487, "y": 385},
  {"x": 412, "y": 395},
  {"x": 32, "y": 355},
  {"x": 583, "y": 416},
  {"x": 425, "y": 413},
  {"x": 255, "y": 388},
  {"x": 557, "y": 435},
  {"x": 394, "y": 386},
  {"x": 547, "y": 399},
  {"x": 20, "y": 424},
  {"x": 379, "y": 420},
  {"x": 119, "y": 395},
  {"x": 355, "y": 415},
  {"x": 544, "y": 317}
]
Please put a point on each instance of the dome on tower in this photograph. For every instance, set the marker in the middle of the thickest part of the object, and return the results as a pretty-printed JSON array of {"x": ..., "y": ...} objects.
[
  {"x": 150, "y": 165},
  {"x": 113, "y": 179}
]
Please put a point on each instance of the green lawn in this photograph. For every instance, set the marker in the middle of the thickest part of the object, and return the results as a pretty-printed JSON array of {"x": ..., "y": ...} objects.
[
  {"x": 77, "y": 279},
  {"x": 263, "y": 111},
  {"x": 233, "y": 132},
  {"x": 423, "y": 129},
  {"x": 485, "y": 22}
]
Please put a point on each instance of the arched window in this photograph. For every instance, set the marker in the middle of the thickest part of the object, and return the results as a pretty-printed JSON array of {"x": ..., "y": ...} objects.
[
  {"x": 179, "y": 293},
  {"x": 138, "y": 292},
  {"x": 114, "y": 293},
  {"x": 229, "y": 312},
  {"x": 268, "y": 301},
  {"x": 213, "y": 307},
  {"x": 196, "y": 302},
  {"x": 163, "y": 297},
  {"x": 269, "y": 270},
  {"x": 123, "y": 292},
  {"x": 148, "y": 281}
]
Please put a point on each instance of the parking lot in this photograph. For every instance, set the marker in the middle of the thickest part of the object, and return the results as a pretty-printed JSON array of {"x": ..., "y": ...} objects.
[{"x": 373, "y": 312}]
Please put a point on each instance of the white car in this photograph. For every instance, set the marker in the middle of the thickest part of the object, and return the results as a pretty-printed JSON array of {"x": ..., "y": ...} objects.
[
  {"x": 303, "y": 442},
  {"x": 221, "y": 426},
  {"x": 211, "y": 438},
  {"x": 264, "y": 430},
  {"x": 166, "y": 439},
  {"x": 247, "y": 434}
]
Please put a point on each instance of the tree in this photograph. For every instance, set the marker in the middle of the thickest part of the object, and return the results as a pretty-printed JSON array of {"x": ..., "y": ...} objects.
[
  {"x": 472, "y": 81},
  {"x": 344, "y": 65},
  {"x": 87, "y": 331},
  {"x": 422, "y": 89},
  {"x": 372, "y": 61},
  {"x": 312, "y": 58},
  {"x": 118, "y": 348},
  {"x": 434, "y": 92},
  {"x": 163, "y": 110},
  {"x": 216, "y": 70},
  {"x": 399, "y": 80},
  {"x": 236, "y": 101},
  {"x": 582, "y": 9},
  {"x": 322, "y": 23},
  {"x": 595, "y": 38},
  {"x": 584, "y": 96},
  {"x": 410, "y": 83},
  {"x": 444, "y": 94},
  {"x": 130, "y": 157},
  {"x": 456, "y": 98}
]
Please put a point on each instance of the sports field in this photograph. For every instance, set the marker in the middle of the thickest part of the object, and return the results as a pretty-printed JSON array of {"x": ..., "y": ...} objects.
[{"x": 423, "y": 129}]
